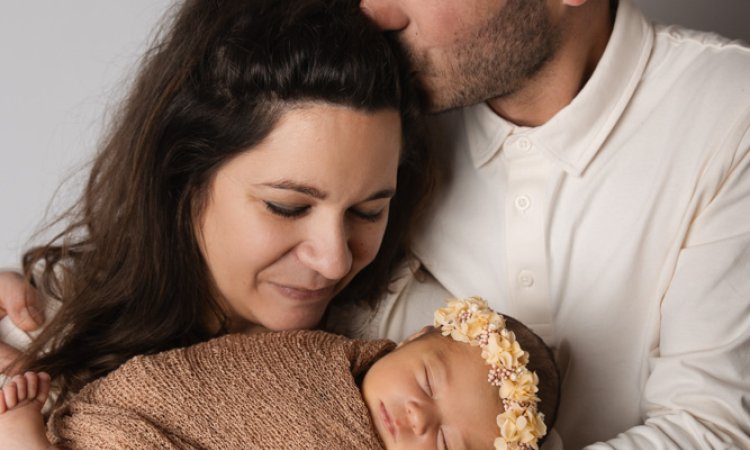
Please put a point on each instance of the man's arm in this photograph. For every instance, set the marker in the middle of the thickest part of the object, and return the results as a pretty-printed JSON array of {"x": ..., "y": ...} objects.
[{"x": 697, "y": 395}]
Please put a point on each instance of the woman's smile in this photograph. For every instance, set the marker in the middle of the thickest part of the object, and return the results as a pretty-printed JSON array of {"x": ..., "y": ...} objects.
[
  {"x": 289, "y": 223},
  {"x": 303, "y": 293}
]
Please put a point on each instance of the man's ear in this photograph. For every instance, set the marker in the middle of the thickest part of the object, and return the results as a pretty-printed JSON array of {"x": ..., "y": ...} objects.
[{"x": 417, "y": 335}]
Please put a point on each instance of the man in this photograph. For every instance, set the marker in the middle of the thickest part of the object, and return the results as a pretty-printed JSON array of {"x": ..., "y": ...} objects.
[{"x": 597, "y": 188}]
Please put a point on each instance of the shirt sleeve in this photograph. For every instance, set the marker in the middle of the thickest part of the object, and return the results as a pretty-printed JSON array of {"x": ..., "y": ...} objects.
[
  {"x": 697, "y": 395},
  {"x": 20, "y": 339}
]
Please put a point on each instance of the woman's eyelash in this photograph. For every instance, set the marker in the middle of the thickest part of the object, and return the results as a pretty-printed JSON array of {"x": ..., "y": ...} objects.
[
  {"x": 369, "y": 217},
  {"x": 289, "y": 212}
]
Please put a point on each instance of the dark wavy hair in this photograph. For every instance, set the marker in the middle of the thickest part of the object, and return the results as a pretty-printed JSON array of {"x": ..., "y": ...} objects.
[{"x": 127, "y": 267}]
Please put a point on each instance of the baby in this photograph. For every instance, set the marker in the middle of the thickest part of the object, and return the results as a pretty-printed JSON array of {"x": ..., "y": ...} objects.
[{"x": 465, "y": 383}]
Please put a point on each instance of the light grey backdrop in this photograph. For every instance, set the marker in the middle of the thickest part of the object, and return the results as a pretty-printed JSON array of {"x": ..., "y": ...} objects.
[{"x": 62, "y": 64}]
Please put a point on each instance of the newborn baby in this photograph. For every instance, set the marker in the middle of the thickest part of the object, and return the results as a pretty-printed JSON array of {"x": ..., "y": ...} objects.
[{"x": 468, "y": 382}]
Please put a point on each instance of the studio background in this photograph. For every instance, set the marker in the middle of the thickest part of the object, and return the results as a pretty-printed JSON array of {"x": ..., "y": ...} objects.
[{"x": 63, "y": 65}]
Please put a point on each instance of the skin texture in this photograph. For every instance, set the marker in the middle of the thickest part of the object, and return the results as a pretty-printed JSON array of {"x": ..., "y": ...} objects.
[
  {"x": 289, "y": 223},
  {"x": 432, "y": 393},
  {"x": 527, "y": 59},
  {"x": 467, "y": 52}
]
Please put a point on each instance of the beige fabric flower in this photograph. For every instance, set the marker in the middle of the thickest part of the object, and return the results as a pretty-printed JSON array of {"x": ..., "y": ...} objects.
[{"x": 471, "y": 321}]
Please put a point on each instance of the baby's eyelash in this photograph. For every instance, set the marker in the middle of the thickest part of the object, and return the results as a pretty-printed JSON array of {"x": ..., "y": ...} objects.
[
  {"x": 288, "y": 212},
  {"x": 441, "y": 440},
  {"x": 427, "y": 383}
]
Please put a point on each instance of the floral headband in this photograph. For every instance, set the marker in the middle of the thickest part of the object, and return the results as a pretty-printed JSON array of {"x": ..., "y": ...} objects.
[{"x": 471, "y": 321}]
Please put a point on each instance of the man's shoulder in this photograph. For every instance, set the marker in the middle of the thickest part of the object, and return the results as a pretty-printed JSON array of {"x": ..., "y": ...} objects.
[
  {"x": 700, "y": 52},
  {"x": 700, "y": 72}
]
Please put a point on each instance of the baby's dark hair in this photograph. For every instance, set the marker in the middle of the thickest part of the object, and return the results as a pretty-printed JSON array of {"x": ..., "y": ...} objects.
[{"x": 541, "y": 362}]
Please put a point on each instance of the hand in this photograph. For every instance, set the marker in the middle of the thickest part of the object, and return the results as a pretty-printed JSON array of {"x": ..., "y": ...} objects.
[{"x": 20, "y": 302}]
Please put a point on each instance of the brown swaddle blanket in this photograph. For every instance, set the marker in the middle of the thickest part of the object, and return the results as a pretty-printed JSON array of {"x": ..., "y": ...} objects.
[{"x": 285, "y": 390}]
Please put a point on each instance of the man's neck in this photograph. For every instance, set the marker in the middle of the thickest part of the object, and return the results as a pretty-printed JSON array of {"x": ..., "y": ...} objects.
[{"x": 585, "y": 33}]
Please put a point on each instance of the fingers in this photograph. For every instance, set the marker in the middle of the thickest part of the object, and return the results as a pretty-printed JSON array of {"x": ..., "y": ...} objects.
[
  {"x": 29, "y": 386},
  {"x": 20, "y": 301},
  {"x": 21, "y": 387},
  {"x": 32, "y": 385},
  {"x": 43, "y": 387},
  {"x": 11, "y": 391}
]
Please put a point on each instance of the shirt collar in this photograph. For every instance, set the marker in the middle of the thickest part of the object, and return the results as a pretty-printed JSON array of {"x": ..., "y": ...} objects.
[{"x": 573, "y": 136}]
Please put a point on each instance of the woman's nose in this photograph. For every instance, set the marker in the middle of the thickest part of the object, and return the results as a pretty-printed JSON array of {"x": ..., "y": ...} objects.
[
  {"x": 326, "y": 250},
  {"x": 387, "y": 14}
]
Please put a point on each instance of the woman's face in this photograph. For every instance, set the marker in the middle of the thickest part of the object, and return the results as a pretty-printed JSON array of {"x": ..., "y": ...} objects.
[{"x": 288, "y": 223}]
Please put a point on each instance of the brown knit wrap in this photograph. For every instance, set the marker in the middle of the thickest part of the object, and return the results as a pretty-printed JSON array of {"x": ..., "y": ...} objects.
[{"x": 286, "y": 390}]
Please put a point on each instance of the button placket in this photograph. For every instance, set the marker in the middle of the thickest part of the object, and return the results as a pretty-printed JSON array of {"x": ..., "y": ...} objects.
[{"x": 527, "y": 175}]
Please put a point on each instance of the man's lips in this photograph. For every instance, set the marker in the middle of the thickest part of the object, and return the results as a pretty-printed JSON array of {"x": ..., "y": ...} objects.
[{"x": 387, "y": 421}]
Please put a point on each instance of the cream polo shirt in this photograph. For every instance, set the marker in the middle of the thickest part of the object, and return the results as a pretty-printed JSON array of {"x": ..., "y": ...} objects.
[{"x": 620, "y": 232}]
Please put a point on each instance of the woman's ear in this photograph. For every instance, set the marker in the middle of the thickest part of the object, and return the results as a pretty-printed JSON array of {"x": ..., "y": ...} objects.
[{"x": 417, "y": 335}]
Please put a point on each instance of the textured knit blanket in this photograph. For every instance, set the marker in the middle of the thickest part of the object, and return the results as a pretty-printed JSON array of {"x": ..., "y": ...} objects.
[{"x": 286, "y": 390}]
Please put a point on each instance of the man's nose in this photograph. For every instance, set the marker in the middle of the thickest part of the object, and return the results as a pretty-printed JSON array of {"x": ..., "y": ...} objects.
[
  {"x": 387, "y": 14},
  {"x": 326, "y": 250}
]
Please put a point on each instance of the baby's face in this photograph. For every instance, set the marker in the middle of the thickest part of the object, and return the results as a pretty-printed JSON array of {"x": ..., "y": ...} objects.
[{"x": 432, "y": 393}]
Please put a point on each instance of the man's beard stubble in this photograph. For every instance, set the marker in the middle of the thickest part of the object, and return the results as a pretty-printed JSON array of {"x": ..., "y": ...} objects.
[{"x": 495, "y": 61}]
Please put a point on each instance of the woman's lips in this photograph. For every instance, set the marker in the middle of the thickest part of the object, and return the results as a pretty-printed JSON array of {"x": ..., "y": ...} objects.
[
  {"x": 387, "y": 421},
  {"x": 304, "y": 294}
]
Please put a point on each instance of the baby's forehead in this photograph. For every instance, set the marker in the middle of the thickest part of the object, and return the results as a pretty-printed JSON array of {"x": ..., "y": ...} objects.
[{"x": 450, "y": 351}]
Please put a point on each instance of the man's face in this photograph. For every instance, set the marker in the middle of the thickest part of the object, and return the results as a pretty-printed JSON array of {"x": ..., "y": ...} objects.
[{"x": 469, "y": 51}]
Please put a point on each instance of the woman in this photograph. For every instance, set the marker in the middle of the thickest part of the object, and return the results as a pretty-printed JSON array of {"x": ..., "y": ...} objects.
[{"x": 264, "y": 165}]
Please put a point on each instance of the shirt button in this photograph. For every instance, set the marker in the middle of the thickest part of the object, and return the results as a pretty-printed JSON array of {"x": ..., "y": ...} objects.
[
  {"x": 522, "y": 202},
  {"x": 526, "y": 279},
  {"x": 524, "y": 144}
]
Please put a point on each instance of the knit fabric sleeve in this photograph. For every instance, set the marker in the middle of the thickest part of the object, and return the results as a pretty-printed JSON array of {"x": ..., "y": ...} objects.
[{"x": 286, "y": 390}]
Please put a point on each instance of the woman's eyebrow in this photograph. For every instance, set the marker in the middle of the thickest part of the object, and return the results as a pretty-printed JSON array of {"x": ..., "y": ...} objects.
[
  {"x": 301, "y": 188},
  {"x": 320, "y": 195},
  {"x": 385, "y": 193}
]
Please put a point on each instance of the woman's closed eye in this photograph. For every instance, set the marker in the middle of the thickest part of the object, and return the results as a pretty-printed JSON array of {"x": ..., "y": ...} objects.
[
  {"x": 294, "y": 211},
  {"x": 369, "y": 216},
  {"x": 286, "y": 211}
]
